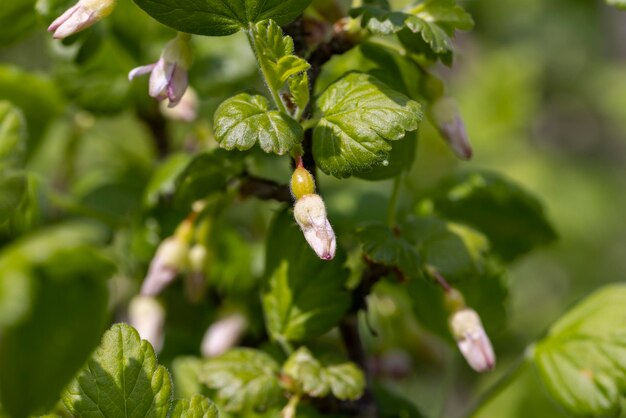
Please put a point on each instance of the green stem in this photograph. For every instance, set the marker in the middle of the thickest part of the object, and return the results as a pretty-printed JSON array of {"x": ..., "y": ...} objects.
[
  {"x": 289, "y": 411},
  {"x": 284, "y": 344},
  {"x": 275, "y": 95},
  {"x": 393, "y": 202}
]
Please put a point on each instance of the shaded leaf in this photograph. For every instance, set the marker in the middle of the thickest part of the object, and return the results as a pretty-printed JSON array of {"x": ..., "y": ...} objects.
[
  {"x": 245, "y": 379},
  {"x": 512, "y": 219},
  {"x": 346, "y": 381},
  {"x": 382, "y": 246},
  {"x": 244, "y": 120},
  {"x": 303, "y": 296},
  {"x": 359, "y": 116},
  {"x": 220, "y": 17},
  {"x": 122, "y": 378},
  {"x": 53, "y": 305},
  {"x": 12, "y": 135}
]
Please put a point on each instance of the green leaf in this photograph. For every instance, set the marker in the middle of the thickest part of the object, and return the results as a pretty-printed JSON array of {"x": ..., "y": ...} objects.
[
  {"x": 122, "y": 378},
  {"x": 53, "y": 308},
  {"x": 303, "y": 296},
  {"x": 299, "y": 87},
  {"x": 434, "y": 21},
  {"x": 13, "y": 188},
  {"x": 307, "y": 372},
  {"x": 205, "y": 174},
  {"x": 275, "y": 54},
  {"x": 196, "y": 407},
  {"x": 456, "y": 251},
  {"x": 163, "y": 181},
  {"x": 359, "y": 115},
  {"x": 582, "y": 360},
  {"x": 620, "y": 4},
  {"x": 245, "y": 379},
  {"x": 17, "y": 19},
  {"x": 185, "y": 371},
  {"x": 36, "y": 96},
  {"x": 12, "y": 135},
  {"x": 346, "y": 381},
  {"x": 383, "y": 246},
  {"x": 244, "y": 119},
  {"x": 220, "y": 17},
  {"x": 512, "y": 218}
]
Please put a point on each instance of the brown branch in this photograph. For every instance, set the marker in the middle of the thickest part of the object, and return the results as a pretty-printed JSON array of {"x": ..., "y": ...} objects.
[{"x": 264, "y": 189}]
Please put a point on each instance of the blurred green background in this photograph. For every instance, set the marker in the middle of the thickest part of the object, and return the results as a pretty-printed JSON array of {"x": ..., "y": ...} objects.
[{"x": 542, "y": 89}]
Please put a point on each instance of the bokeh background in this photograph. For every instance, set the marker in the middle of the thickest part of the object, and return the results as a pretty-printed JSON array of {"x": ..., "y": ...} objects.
[{"x": 541, "y": 86}]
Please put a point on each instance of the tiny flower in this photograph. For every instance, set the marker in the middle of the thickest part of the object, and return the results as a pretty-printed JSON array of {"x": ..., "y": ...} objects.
[
  {"x": 80, "y": 16},
  {"x": 168, "y": 78},
  {"x": 147, "y": 316},
  {"x": 472, "y": 340},
  {"x": 310, "y": 213},
  {"x": 446, "y": 115},
  {"x": 223, "y": 335}
]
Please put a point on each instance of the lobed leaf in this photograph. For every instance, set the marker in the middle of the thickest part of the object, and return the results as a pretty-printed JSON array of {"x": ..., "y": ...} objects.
[
  {"x": 359, "y": 115},
  {"x": 245, "y": 379},
  {"x": 244, "y": 120},
  {"x": 196, "y": 407},
  {"x": 582, "y": 360},
  {"x": 122, "y": 378},
  {"x": 303, "y": 296}
]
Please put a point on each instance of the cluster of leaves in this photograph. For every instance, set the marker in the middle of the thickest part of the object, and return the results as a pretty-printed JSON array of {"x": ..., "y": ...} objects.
[{"x": 360, "y": 114}]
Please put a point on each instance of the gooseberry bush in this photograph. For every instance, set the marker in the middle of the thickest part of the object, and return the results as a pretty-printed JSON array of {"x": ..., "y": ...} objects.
[{"x": 229, "y": 225}]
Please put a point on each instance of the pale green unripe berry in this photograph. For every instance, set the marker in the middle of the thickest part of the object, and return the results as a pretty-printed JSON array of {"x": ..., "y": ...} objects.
[{"x": 302, "y": 183}]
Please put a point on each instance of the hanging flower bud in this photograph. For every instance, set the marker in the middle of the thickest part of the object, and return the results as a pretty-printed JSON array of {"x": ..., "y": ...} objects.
[
  {"x": 310, "y": 213},
  {"x": 147, "y": 316},
  {"x": 472, "y": 340},
  {"x": 170, "y": 258},
  {"x": 195, "y": 282},
  {"x": 447, "y": 118},
  {"x": 223, "y": 335},
  {"x": 80, "y": 16},
  {"x": 168, "y": 78}
]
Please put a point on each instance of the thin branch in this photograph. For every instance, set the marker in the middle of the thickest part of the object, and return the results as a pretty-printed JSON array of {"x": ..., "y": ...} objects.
[{"x": 264, "y": 189}]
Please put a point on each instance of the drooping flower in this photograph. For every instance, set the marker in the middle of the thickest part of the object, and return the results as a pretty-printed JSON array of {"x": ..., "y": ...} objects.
[
  {"x": 168, "y": 78},
  {"x": 448, "y": 120},
  {"x": 80, "y": 16},
  {"x": 169, "y": 259},
  {"x": 310, "y": 213},
  {"x": 222, "y": 335},
  {"x": 147, "y": 316},
  {"x": 472, "y": 340}
]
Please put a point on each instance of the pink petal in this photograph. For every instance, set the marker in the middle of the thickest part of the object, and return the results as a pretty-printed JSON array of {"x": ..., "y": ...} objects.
[
  {"x": 177, "y": 86},
  {"x": 160, "y": 78},
  {"x": 145, "y": 69},
  {"x": 61, "y": 19}
]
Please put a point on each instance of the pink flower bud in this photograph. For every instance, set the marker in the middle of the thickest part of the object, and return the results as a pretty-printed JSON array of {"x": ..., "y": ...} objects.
[
  {"x": 223, "y": 335},
  {"x": 472, "y": 340},
  {"x": 168, "y": 78},
  {"x": 310, "y": 213},
  {"x": 147, "y": 316},
  {"x": 170, "y": 257},
  {"x": 447, "y": 118},
  {"x": 80, "y": 16}
]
